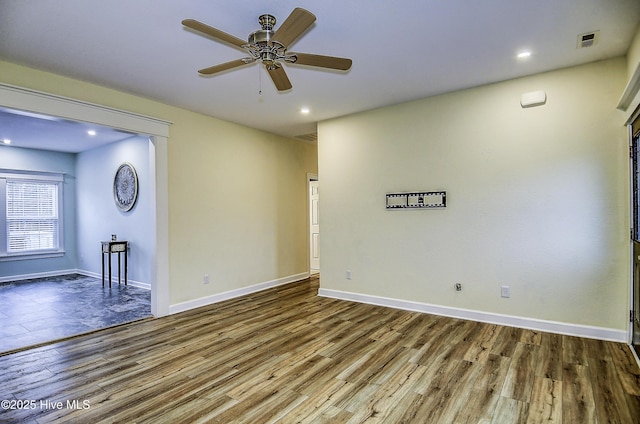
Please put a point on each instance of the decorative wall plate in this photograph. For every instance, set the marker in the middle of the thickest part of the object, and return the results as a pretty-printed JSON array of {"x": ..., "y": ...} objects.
[
  {"x": 417, "y": 200},
  {"x": 125, "y": 187}
]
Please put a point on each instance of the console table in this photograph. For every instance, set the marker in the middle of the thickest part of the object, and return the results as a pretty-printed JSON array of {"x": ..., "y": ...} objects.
[{"x": 118, "y": 247}]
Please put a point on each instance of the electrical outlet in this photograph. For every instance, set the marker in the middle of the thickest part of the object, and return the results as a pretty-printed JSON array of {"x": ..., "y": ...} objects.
[
  {"x": 348, "y": 275},
  {"x": 505, "y": 291},
  {"x": 206, "y": 279}
]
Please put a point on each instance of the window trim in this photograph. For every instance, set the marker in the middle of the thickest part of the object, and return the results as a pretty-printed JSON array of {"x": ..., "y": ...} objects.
[{"x": 39, "y": 176}]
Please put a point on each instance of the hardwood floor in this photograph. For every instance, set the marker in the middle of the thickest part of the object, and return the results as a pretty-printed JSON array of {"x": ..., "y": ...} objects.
[{"x": 285, "y": 355}]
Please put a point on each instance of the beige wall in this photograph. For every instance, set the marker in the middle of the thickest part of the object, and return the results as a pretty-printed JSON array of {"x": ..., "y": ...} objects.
[
  {"x": 238, "y": 206},
  {"x": 237, "y": 196},
  {"x": 537, "y": 199},
  {"x": 633, "y": 55}
]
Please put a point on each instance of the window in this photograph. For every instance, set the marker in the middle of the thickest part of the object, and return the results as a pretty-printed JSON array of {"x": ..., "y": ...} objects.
[{"x": 32, "y": 214}]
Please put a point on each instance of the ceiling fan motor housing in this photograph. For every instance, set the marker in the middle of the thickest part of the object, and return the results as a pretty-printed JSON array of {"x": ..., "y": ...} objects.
[
  {"x": 260, "y": 36},
  {"x": 264, "y": 35}
]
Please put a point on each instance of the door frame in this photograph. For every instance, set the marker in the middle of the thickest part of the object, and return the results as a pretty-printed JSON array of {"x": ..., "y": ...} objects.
[
  {"x": 634, "y": 255},
  {"x": 310, "y": 177},
  {"x": 630, "y": 104},
  {"x": 634, "y": 233},
  {"x": 157, "y": 129}
]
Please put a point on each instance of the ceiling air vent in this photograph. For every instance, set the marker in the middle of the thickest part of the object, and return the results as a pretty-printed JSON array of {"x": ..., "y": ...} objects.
[
  {"x": 309, "y": 138},
  {"x": 588, "y": 39}
]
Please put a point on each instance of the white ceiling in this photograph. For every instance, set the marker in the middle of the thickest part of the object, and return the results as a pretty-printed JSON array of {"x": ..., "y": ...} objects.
[{"x": 401, "y": 50}]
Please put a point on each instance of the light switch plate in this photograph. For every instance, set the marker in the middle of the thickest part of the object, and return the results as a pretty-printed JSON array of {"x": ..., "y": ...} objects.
[{"x": 505, "y": 291}]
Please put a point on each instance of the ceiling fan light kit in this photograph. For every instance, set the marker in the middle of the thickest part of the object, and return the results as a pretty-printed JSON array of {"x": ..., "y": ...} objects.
[{"x": 269, "y": 47}]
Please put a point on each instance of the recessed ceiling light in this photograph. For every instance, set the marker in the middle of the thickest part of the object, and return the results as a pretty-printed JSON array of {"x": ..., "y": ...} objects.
[
  {"x": 6, "y": 141},
  {"x": 524, "y": 54},
  {"x": 305, "y": 110},
  {"x": 91, "y": 132}
]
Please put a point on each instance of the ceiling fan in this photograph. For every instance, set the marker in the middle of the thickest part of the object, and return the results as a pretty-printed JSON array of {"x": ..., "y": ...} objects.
[{"x": 270, "y": 47}]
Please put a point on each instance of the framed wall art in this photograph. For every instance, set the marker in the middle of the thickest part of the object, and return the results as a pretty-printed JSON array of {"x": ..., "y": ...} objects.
[
  {"x": 125, "y": 187},
  {"x": 416, "y": 200}
]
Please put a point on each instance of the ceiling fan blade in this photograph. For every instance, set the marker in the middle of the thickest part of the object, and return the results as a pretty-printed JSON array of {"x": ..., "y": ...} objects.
[
  {"x": 293, "y": 27},
  {"x": 340, "y": 63},
  {"x": 223, "y": 67},
  {"x": 280, "y": 79},
  {"x": 214, "y": 33}
]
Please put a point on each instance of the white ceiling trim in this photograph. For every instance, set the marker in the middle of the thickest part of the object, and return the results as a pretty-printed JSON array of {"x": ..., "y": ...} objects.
[
  {"x": 631, "y": 90},
  {"x": 21, "y": 98}
]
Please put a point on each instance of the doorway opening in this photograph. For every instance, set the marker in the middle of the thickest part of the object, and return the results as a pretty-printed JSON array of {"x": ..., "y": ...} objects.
[{"x": 158, "y": 131}]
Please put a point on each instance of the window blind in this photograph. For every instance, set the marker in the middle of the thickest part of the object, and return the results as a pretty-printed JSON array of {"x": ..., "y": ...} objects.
[{"x": 32, "y": 216}]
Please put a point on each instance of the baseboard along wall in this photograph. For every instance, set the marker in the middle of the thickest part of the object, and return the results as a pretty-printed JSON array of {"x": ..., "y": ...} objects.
[
  {"x": 114, "y": 279},
  {"x": 592, "y": 332},
  {"x": 38, "y": 275},
  {"x": 599, "y": 333},
  {"x": 219, "y": 297}
]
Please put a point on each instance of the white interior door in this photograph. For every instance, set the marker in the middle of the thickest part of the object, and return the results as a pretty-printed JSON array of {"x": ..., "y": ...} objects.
[{"x": 314, "y": 228}]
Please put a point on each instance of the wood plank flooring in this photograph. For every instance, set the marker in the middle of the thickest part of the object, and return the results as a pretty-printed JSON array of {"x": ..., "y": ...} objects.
[{"x": 286, "y": 355}]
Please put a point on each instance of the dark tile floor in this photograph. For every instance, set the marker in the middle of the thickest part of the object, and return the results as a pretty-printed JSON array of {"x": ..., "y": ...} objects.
[{"x": 40, "y": 310}]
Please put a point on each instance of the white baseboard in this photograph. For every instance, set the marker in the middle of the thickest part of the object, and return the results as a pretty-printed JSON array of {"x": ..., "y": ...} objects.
[
  {"x": 71, "y": 271},
  {"x": 600, "y": 333},
  {"x": 114, "y": 279},
  {"x": 208, "y": 300},
  {"x": 38, "y": 275}
]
